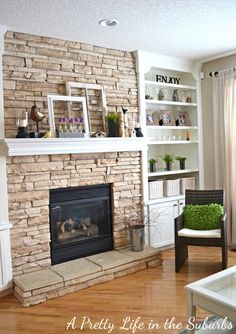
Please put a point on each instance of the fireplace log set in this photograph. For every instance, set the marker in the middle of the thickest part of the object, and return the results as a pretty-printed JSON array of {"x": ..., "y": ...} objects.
[{"x": 76, "y": 228}]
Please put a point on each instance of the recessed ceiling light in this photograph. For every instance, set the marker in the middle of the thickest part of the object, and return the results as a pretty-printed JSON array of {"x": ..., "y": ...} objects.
[{"x": 108, "y": 22}]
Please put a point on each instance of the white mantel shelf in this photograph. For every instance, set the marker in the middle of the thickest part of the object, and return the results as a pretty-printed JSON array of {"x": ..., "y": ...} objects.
[{"x": 44, "y": 146}]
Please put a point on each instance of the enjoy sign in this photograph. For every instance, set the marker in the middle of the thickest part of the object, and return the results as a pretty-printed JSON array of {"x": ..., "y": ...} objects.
[{"x": 166, "y": 79}]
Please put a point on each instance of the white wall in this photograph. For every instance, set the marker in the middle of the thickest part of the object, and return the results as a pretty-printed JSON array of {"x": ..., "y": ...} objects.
[
  {"x": 5, "y": 250},
  {"x": 207, "y": 114}
]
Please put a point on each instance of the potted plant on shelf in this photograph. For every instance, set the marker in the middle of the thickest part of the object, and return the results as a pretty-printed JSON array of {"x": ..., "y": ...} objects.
[
  {"x": 112, "y": 119},
  {"x": 169, "y": 159},
  {"x": 181, "y": 160},
  {"x": 152, "y": 165}
]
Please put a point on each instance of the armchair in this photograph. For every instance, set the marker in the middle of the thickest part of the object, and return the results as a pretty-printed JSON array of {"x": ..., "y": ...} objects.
[{"x": 186, "y": 237}]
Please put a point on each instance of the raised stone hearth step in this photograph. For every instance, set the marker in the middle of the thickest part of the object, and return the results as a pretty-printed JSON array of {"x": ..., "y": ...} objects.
[{"x": 36, "y": 287}]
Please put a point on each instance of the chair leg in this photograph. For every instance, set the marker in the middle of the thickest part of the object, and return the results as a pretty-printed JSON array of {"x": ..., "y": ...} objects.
[
  {"x": 181, "y": 255},
  {"x": 224, "y": 257}
]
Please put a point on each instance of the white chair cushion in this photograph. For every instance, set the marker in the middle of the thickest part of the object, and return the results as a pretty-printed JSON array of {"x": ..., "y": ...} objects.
[{"x": 187, "y": 232}]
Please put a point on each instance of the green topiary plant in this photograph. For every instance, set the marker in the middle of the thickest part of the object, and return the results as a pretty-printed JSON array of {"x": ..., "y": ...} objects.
[
  {"x": 152, "y": 164},
  {"x": 203, "y": 217},
  {"x": 112, "y": 117},
  {"x": 152, "y": 161},
  {"x": 169, "y": 159},
  {"x": 181, "y": 160}
]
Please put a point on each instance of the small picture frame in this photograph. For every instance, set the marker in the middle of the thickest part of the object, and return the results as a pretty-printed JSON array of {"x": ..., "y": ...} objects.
[
  {"x": 149, "y": 119},
  {"x": 166, "y": 117},
  {"x": 183, "y": 118}
]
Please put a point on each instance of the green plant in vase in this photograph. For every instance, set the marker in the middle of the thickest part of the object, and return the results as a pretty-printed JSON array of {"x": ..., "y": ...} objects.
[
  {"x": 112, "y": 119},
  {"x": 152, "y": 165},
  {"x": 181, "y": 160},
  {"x": 169, "y": 159}
]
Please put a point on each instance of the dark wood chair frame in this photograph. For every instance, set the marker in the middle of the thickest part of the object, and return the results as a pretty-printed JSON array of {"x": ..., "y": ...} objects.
[{"x": 200, "y": 197}]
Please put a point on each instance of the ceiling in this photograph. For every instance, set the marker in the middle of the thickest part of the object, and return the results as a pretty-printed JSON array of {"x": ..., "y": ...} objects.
[{"x": 190, "y": 29}]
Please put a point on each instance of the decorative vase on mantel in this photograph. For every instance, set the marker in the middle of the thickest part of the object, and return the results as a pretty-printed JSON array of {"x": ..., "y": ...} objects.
[
  {"x": 113, "y": 120},
  {"x": 113, "y": 129}
]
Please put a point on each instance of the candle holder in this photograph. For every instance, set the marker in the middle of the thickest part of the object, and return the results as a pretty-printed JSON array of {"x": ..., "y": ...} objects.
[{"x": 22, "y": 123}]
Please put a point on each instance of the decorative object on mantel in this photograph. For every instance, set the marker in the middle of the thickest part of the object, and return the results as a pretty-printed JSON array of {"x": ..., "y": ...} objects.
[
  {"x": 22, "y": 123},
  {"x": 112, "y": 119},
  {"x": 99, "y": 134},
  {"x": 124, "y": 129},
  {"x": 95, "y": 100},
  {"x": 48, "y": 134},
  {"x": 76, "y": 110},
  {"x": 37, "y": 117},
  {"x": 138, "y": 131},
  {"x": 71, "y": 128}
]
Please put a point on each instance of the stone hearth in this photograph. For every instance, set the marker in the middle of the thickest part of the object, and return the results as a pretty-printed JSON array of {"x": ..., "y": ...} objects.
[{"x": 60, "y": 279}]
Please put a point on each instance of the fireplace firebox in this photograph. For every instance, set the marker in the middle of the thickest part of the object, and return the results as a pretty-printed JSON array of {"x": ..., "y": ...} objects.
[{"x": 80, "y": 222}]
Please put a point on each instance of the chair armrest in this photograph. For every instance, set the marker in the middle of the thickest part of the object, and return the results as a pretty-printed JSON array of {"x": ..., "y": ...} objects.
[
  {"x": 223, "y": 224},
  {"x": 179, "y": 223}
]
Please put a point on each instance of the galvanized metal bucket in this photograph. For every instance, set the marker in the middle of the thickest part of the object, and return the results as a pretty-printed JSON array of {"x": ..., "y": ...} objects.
[{"x": 137, "y": 238}]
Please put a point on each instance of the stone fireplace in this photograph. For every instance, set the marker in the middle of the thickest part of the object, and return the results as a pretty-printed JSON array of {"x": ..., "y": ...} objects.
[
  {"x": 112, "y": 176},
  {"x": 80, "y": 222},
  {"x": 32, "y": 169},
  {"x": 32, "y": 178}
]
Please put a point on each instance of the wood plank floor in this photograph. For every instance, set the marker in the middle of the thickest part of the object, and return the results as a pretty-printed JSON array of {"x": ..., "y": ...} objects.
[{"x": 154, "y": 295}]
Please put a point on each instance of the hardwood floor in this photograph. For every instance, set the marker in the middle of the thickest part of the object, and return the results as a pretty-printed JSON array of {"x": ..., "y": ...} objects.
[{"x": 155, "y": 295}]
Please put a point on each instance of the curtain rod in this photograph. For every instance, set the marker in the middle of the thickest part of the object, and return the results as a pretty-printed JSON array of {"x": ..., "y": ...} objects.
[{"x": 215, "y": 74}]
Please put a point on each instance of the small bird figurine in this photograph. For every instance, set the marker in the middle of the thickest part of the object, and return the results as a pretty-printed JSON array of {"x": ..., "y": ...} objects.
[{"x": 36, "y": 115}]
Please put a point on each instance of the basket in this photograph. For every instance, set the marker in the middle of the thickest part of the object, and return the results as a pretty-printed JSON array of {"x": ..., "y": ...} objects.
[
  {"x": 155, "y": 189},
  {"x": 171, "y": 187},
  {"x": 187, "y": 183}
]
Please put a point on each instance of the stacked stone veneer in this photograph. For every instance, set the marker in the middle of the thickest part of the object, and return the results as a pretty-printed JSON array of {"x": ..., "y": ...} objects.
[
  {"x": 35, "y": 66},
  {"x": 29, "y": 181}
]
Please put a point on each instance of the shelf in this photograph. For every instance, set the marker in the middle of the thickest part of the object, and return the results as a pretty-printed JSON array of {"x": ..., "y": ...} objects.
[
  {"x": 171, "y": 142},
  {"x": 173, "y": 127},
  {"x": 165, "y": 199},
  {"x": 167, "y": 85},
  {"x": 174, "y": 172},
  {"x": 44, "y": 146},
  {"x": 170, "y": 103}
]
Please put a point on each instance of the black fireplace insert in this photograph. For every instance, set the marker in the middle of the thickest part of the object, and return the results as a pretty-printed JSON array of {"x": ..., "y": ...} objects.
[{"x": 80, "y": 222}]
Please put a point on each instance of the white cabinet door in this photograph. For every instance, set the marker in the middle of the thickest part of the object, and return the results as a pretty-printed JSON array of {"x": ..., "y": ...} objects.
[
  {"x": 161, "y": 229},
  {"x": 181, "y": 205}
]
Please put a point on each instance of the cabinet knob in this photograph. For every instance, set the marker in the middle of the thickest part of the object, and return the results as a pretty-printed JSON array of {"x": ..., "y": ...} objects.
[
  {"x": 181, "y": 203},
  {"x": 175, "y": 204}
]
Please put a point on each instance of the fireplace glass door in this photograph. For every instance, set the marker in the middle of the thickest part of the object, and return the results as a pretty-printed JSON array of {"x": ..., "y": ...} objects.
[{"x": 80, "y": 221}]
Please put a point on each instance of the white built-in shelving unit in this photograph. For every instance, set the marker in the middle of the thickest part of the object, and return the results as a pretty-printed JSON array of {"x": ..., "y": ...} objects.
[{"x": 183, "y": 139}]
